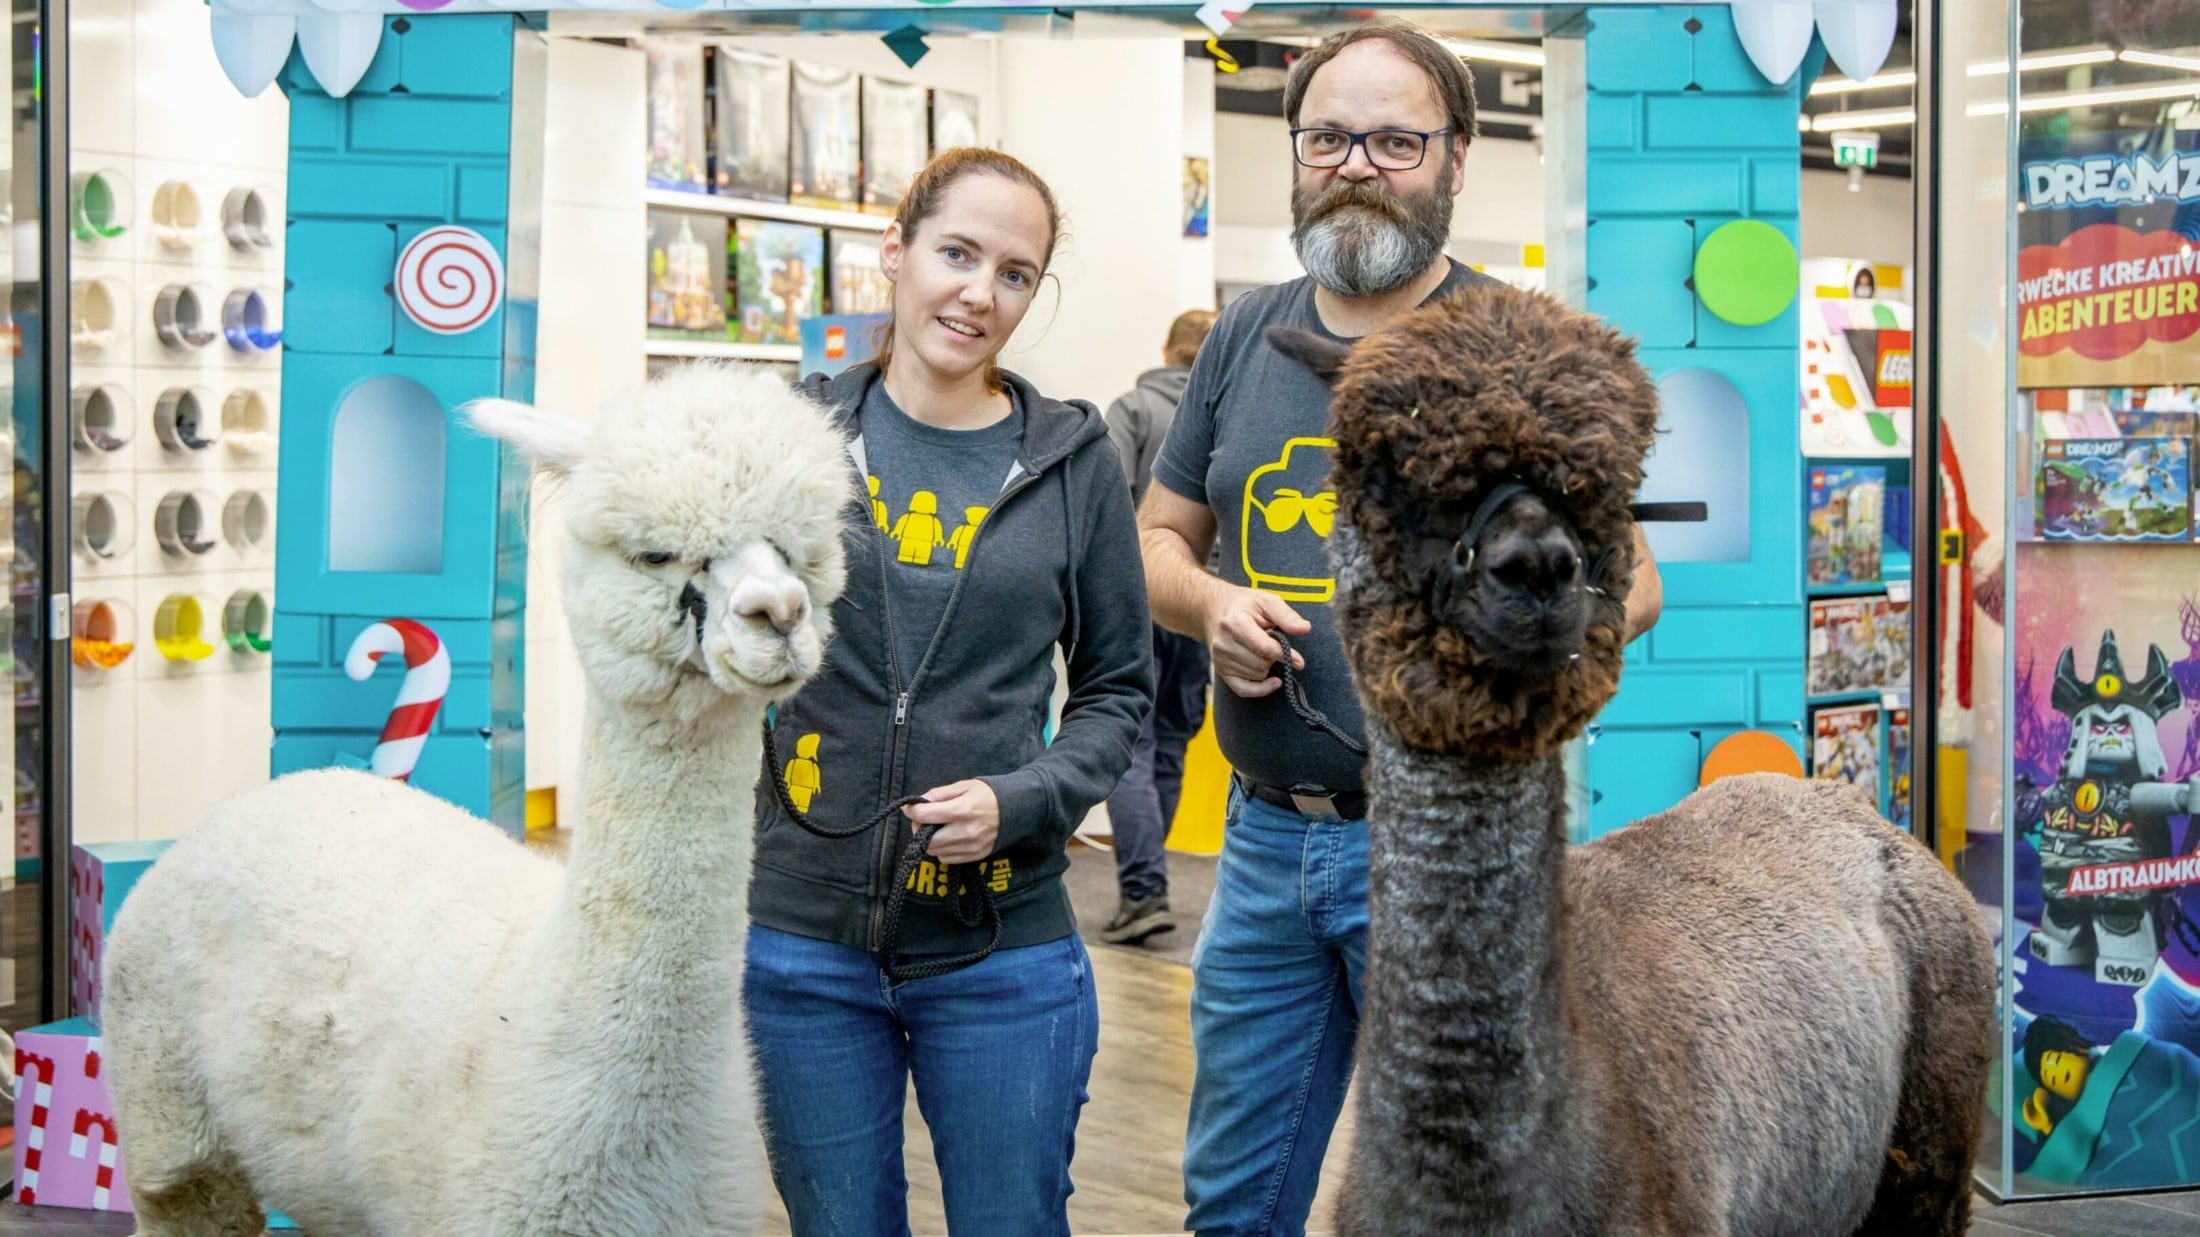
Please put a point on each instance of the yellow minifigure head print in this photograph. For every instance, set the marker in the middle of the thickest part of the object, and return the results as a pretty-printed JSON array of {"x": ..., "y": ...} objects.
[{"x": 2059, "y": 1060}]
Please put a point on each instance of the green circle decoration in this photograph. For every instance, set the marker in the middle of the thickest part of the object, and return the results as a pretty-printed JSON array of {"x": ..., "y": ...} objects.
[{"x": 1747, "y": 272}]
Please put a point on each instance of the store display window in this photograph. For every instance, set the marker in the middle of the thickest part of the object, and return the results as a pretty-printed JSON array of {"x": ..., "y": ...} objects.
[{"x": 2069, "y": 699}]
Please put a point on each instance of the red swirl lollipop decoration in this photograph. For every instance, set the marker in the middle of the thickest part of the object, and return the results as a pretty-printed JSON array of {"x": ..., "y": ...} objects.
[{"x": 449, "y": 280}]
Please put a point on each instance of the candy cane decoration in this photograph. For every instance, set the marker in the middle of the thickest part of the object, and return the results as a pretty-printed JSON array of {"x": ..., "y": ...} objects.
[
  {"x": 34, "y": 1139},
  {"x": 427, "y": 681},
  {"x": 449, "y": 280},
  {"x": 80, "y": 1145}
]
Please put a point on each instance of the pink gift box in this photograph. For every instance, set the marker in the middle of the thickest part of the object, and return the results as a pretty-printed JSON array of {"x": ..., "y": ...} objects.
[
  {"x": 101, "y": 875},
  {"x": 66, "y": 1154}
]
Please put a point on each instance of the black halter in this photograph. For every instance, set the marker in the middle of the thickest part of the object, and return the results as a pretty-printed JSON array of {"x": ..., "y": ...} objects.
[
  {"x": 1462, "y": 563},
  {"x": 1501, "y": 495}
]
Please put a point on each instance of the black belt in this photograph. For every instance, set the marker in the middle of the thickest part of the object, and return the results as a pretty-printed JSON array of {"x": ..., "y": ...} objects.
[{"x": 1313, "y": 801}]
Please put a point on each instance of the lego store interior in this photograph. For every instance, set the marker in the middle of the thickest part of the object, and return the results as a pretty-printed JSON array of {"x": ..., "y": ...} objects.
[{"x": 1917, "y": 289}]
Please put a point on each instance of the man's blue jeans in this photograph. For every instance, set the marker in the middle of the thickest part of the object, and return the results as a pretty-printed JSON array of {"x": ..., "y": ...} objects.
[
  {"x": 1275, "y": 1012},
  {"x": 1000, "y": 1053}
]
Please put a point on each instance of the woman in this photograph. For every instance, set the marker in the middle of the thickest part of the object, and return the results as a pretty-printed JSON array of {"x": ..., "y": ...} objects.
[{"x": 988, "y": 525}]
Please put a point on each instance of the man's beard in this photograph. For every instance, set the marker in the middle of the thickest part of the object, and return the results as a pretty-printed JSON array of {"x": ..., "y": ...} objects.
[{"x": 1358, "y": 239}]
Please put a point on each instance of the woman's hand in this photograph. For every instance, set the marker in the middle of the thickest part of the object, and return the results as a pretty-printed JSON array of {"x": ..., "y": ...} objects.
[{"x": 969, "y": 816}]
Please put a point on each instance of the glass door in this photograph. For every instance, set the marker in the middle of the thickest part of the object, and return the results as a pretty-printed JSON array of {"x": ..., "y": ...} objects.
[
  {"x": 2067, "y": 351},
  {"x": 30, "y": 904}
]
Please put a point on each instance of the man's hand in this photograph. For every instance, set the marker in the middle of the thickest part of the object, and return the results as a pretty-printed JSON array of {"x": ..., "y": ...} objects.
[
  {"x": 1238, "y": 640},
  {"x": 969, "y": 816}
]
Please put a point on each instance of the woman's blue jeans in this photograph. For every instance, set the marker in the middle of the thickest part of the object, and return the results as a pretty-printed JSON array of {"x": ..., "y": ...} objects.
[{"x": 1000, "y": 1052}]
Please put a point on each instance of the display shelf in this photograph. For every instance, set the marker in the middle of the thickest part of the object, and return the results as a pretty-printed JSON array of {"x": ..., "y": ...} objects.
[
  {"x": 728, "y": 350},
  {"x": 745, "y": 208},
  {"x": 1894, "y": 571},
  {"x": 1891, "y": 697},
  {"x": 1869, "y": 589}
]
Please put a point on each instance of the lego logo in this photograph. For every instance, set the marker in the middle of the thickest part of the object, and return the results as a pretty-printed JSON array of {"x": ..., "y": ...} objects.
[
  {"x": 1894, "y": 369},
  {"x": 836, "y": 343}
]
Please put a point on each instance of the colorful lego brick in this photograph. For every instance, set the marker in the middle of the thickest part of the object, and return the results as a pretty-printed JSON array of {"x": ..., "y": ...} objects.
[
  {"x": 67, "y": 1152},
  {"x": 101, "y": 875}
]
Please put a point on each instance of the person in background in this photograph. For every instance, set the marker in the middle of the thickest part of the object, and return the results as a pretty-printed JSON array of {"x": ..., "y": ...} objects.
[{"x": 1144, "y": 802}]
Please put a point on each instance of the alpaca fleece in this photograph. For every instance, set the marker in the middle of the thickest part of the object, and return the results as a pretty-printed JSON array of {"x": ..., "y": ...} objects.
[
  {"x": 356, "y": 1003},
  {"x": 1765, "y": 1011},
  {"x": 1431, "y": 412}
]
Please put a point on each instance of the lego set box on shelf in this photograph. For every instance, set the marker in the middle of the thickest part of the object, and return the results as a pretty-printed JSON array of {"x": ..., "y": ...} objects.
[
  {"x": 747, "y": 124},
  {"x": 2110, "y": 466},
  {"x": 778, "y": 221},
  {"x": 1867, "y": 745}
]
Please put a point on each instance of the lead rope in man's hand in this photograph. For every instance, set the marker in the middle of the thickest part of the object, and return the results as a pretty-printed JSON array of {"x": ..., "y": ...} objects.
[
  {"x": 973, "y": 897},
  {"x": 1294, "y": 694}
]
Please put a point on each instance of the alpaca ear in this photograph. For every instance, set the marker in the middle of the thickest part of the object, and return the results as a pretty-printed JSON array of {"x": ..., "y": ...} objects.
[
  {"x": 1324, "y": 356},
  {"x": 556, "y": 444}
]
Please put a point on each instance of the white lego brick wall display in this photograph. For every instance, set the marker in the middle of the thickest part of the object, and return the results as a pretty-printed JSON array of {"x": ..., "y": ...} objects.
[{"x": 176, "y": 245}]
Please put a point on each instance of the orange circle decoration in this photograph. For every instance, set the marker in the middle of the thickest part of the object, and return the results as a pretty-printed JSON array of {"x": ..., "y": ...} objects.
[{"x": 1750, "y": 751}]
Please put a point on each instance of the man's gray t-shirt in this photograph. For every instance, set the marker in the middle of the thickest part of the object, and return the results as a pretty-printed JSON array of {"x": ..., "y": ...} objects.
[
  {"x": 932, "y": 489},
  {"x": 1251, "y": 441}
]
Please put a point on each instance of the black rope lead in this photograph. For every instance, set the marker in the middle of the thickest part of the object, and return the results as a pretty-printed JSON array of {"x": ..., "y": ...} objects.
[
  {"x": 1294, "y": 693},
  {"x": 974, "y": 904}
]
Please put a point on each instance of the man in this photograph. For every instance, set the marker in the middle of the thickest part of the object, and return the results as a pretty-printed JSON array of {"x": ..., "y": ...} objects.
[
  {"x": 1145, "y": 800},
  {"x": 1381, "y": 117}
]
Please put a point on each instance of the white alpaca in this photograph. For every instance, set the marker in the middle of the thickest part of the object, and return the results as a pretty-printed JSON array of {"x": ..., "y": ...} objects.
[{"x": 376, "y": 1013}]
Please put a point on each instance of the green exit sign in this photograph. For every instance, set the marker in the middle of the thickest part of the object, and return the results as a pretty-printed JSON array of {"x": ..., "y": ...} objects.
[{"x": 1855, "y": 148}]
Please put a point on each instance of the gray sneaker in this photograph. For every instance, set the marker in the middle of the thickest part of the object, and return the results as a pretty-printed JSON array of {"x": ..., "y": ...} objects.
[{"x": 1135, "y": 920}]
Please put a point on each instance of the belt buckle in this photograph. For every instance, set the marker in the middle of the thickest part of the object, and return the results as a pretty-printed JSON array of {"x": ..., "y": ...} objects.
[{"x": 1320, "y": 807}]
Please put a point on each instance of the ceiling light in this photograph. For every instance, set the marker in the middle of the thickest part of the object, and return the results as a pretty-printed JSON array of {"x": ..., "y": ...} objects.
[
  {"x": 1497, "y": 53},
  {"x": 1884, "y": 81},
  {"x": 2160, "y": 60},
  {"x": 2051, "y": 60},
  {"x": 2068, "y": 100},
  {"x": 1891, "y": 118}
]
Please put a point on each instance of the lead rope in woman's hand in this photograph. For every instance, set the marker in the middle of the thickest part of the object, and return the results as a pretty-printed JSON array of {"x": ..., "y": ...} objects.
[
  {"x": 973, "y": 899},
  {"x": 1294, "y": 694}
]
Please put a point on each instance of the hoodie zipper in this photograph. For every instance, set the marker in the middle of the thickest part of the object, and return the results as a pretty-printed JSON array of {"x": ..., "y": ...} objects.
[{"x": 889, "y": 839}]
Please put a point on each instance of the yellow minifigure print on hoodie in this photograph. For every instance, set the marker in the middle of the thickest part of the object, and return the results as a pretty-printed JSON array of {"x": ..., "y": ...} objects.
[
  {"x": 959, "y": 540},
  {"x": 918, "y": 532},
  {"x": 804, "y": 778},
  {"x": 931, "y": 490}
]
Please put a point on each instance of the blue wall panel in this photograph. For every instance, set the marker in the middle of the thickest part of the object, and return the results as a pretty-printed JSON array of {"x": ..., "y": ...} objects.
[
  {"x": 1688, "y": 135},
  {"x": 425, "y": 139}
]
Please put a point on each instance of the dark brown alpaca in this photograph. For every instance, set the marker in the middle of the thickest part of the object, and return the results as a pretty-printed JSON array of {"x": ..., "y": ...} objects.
[{"x": 1765, "y": 1011}]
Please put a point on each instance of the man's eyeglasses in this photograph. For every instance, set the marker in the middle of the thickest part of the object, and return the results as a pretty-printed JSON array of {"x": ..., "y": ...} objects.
[{"x": 1392, "y": 150}]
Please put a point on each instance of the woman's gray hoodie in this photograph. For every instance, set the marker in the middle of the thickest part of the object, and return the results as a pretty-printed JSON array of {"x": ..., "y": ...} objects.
[{"x": 1056, "y": 562}]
